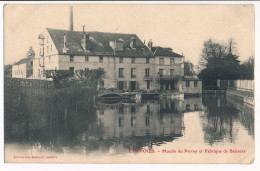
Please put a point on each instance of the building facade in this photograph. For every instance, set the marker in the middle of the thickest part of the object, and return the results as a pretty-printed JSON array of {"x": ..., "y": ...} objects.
[
  {"x": 23, "y": 68},
  {"x": 129, "y": 64}
]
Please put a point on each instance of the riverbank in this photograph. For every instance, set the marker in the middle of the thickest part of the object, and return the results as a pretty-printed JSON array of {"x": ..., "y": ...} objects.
[{"x": 244, "y": 96}]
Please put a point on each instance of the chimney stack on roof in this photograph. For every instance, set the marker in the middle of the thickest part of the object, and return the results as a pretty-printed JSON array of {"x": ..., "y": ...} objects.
[
  {"x": 83, "y": 29},
  {"x": 150, "y": 44},
  {"x": 85, "y": 41},
  {"x": 71, "y": 18},
  {"x": 65, "y": 49}
]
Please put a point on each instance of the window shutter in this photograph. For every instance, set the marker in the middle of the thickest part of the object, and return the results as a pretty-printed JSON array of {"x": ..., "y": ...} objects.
[
  {"x": 137, "y": 86},
  {"x": 117, "y": 84}
]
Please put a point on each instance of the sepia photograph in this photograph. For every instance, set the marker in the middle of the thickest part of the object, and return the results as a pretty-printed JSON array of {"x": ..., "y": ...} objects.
[{"x": 128, "y": 83}]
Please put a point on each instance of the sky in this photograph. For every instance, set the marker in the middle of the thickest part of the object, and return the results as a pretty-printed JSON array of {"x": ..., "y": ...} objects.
[{"x": 184, "y": 28}]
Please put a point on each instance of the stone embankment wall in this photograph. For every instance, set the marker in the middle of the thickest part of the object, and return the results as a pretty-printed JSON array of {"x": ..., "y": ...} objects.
[{"x": 242, "y": 89}]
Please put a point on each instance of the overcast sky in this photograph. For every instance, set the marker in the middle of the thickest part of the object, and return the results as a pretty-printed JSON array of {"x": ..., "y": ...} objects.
[{"x": 184, "y": 28}]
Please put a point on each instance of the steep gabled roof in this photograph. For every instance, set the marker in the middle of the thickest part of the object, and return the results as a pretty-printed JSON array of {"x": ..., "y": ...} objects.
[
  {"x": 99, "y": 42},
  {"x": 160, "y": 51},
  {"x": 22, "y": 61}
]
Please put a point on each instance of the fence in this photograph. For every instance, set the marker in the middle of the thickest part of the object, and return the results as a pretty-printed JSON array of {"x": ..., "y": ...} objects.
[
  {"x": 244, "y": 85},
  {"x": 29, "y": 85}
]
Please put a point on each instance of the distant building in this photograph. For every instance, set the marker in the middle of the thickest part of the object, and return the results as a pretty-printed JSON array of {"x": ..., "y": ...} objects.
[
  {"x": 23, "y": 68},
  {"x": 191, "y": 85}
]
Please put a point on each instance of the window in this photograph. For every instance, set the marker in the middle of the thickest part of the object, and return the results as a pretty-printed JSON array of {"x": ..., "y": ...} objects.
[
  {"x": 166, "y": 85},
  {"x": 121, "y": 109},
  {"x": 148, "y": 85},
  {"x": 147, "y": 72},
  {"x": 121, "y": 60},
  {"x": 187, "y": 83},
  {"x": 147, "y": 60},
  {"x": 71, "y": 69},
  {"x": 133, "y": 121},
  {"x": 147, "y": 121},
  {"x": 71, "y": 58},
  {"x": 101, "y": 84},
  {"x": 171, "y": 72},
  {"x": 121, "y": 85},
  {"x": 172, "y": 105},
  {"x": 47, "y": 39},
  {"x": 133, "y": 73},
  {"x": 101, "y": 59},
  {"x": 171, "y": 61},
  {"x": 120, "y": 122},
  {"x": 86, "y": 58},
  {"x": 173, "y": 84},
  {"x": 148, "y": 111},
  {"x": 50, "y": 59},
  {"x": 133, "y": 85},
  {"x": 133, "y": 109},
  {"x": 133, "y": 60},
  {"x": 161, "y": 61},
  {"x": 188, "y": 107},
  {"x": 196, "y": 107},
  {"x": 161, "y": 72},
  {"x": 147, "y": 132},
  {"x": 121, "y": 72},
  {"x": 133, "y": 43},
  {"x": 195, "y": 83}
]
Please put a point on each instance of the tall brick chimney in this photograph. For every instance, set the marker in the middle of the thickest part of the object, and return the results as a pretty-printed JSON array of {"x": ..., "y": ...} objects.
[{"x": 71, "y": 18}]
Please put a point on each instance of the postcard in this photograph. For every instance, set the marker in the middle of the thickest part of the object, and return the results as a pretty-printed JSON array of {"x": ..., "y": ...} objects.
[{"x": 126, "y": 83}]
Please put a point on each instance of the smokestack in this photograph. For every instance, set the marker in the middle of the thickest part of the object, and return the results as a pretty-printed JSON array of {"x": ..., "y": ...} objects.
[{"x": 71, "y": 18}]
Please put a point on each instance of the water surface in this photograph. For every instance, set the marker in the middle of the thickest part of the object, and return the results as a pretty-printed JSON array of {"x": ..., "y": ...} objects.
[{"x": 131, "y": 129}]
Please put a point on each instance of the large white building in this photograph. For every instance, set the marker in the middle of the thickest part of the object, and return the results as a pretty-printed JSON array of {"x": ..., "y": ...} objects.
[{"x": 129, "y": 63}]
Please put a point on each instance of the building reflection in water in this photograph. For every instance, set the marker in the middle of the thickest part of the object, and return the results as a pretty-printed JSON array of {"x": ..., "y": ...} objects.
[
  {"x": 136, "y": 125},
  {"x": 84, "y": 127}
]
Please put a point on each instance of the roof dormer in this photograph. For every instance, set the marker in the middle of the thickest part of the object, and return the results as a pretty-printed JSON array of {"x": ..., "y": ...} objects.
[
  {"x": 133, "y": 43},
  {"x": 41, "y": 39},
  {"x": 117, "y": 45}
]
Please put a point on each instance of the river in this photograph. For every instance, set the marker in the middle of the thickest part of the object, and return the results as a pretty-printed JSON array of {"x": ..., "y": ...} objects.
[{"x": 207, "y": 129}]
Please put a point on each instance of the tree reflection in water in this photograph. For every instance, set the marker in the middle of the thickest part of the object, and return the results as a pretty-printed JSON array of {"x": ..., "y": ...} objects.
[{"x": 220, "y": 115}]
